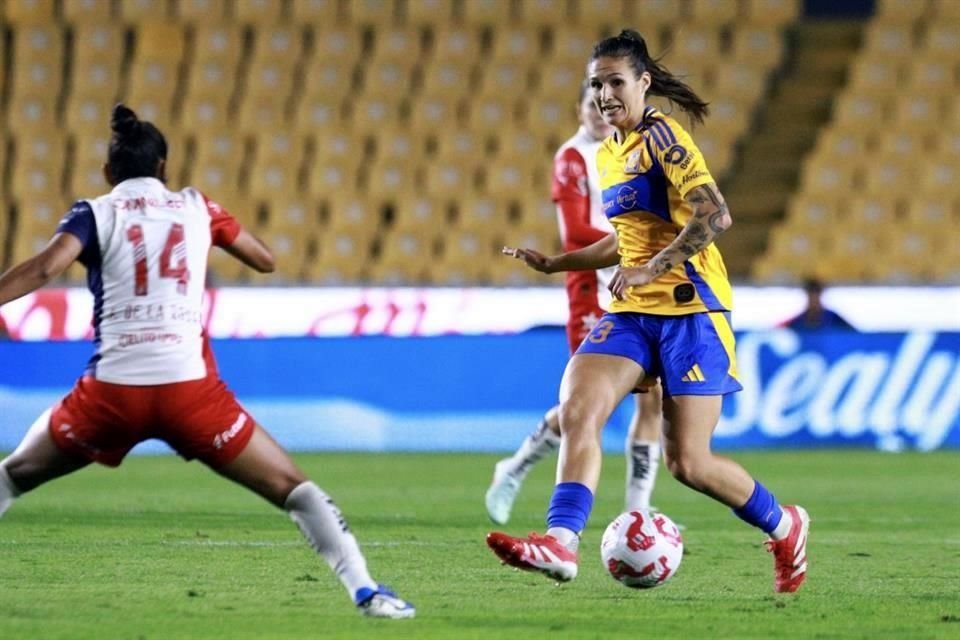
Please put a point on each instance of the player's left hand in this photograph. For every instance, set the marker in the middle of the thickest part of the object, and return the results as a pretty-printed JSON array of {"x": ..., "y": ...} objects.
[{"x": 626, "y": 277}]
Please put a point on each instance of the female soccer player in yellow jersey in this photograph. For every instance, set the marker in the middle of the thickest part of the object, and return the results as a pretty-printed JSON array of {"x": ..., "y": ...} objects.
[{"x": 670, "y": 319}]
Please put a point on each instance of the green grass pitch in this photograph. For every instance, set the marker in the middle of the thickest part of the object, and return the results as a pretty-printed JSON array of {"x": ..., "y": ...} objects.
[{"x": 161, "y": 550}]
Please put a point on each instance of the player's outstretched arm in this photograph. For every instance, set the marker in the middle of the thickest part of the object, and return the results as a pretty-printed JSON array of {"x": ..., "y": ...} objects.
[
  {"x": 600, "y": 254},
  {"x": 37, "y": 271},
  {"x": 251, "y": 251}
]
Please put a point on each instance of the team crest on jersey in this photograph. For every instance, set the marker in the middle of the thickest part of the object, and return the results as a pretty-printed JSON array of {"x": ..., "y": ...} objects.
[{"x": 633, "y": 162}]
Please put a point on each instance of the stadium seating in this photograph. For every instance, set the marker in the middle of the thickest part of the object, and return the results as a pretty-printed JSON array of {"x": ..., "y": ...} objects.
[{"x": 420, "y": 113}]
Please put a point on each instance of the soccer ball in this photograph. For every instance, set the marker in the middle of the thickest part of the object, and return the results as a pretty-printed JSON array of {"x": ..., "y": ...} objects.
[{"x": 641, "y": 549}]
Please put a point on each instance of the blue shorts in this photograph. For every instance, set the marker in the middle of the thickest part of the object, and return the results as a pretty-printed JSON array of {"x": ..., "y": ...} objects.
[{"x": 693, "y": 355}]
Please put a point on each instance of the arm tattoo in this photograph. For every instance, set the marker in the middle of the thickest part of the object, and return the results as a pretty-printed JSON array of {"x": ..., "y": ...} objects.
[{"x": 711, "y": 217}]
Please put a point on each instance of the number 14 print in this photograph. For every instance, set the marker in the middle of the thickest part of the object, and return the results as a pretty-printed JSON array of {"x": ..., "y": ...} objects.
[{"x": 173, "y": 259}]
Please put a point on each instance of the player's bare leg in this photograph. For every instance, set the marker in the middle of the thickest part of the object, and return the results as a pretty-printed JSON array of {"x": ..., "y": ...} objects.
[
  {"x": 689, "y": 427},
  {"x": 509, "y": 473},
  {"x": 592, "y": 387},
  {"x": 265, "y": 468},
  {"x": 642, "y": 447},
  {"x": 35, "y": 461}
]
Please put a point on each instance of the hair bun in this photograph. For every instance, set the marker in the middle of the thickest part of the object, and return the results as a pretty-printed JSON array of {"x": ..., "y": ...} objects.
[{"x": 123, "y": 120}]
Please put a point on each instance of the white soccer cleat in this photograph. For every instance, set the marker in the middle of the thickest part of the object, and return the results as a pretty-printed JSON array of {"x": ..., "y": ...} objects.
[
  {"x": 383, "y": 603},
  {"x": 502, "y": 493}
]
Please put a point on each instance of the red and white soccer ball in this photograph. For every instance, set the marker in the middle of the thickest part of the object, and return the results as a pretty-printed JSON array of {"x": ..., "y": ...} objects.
[{"x": 642, "y": 549}]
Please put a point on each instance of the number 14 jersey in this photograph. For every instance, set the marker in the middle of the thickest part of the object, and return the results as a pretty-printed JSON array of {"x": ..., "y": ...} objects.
[{"x": 145, "y": 249}]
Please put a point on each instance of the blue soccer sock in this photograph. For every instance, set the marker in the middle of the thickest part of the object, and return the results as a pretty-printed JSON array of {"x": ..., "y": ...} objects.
[
  {"x": 570, "y": 507},
  {"x": 761, "y": 510}
]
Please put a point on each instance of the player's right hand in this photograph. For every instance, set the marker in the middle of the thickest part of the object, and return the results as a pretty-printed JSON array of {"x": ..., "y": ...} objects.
[{"x": 534, "y": 259}]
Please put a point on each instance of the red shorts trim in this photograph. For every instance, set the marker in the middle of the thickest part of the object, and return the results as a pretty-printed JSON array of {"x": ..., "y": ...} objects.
[{"x": 201, "y": 419}]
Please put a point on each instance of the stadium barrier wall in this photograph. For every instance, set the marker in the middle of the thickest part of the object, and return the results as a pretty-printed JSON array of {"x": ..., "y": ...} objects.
[{"x": 890, "y": 391}]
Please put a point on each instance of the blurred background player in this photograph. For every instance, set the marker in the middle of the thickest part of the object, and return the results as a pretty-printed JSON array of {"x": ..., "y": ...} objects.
[
  {"x": 670, "y": 318},
  {"x": 576, "y": 190},
  {"x": 152, "y": 374},
  {"x": 816, "y": 316}
]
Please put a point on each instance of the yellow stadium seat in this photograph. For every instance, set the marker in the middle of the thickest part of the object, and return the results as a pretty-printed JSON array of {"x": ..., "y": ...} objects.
[
  {"x": 756, "y": 46},
  {"x": 153, "y": 78},
  {"x": 712, "y": 12},
  {"x": 256, "y": 12},
  {"x": 320, "y": 114},
  {"x": 828, "y": 177},
  {"x": 400, "y": 145},
  {"x": 771, "y": 12},
  {"x": 437, "y": 13},
  {"x": 904, "y": 143},
  {"x": 315, "y": 11},
  {"x": 459, "y": 146},
  {"x": 888, "y": 40},
  {"x": 87, "y": 148},
  {"x": 271, "y": 177},
  {"x": 432, "y": 113},
  {"x": 289, "y": 247},
  {"x": 278, "y": 44},
  {"x": 388, "y": 80},
  {"x": 839, "y": 144},
  {"x": 504, "y": 78},
  {"x": 932, "y": 76},
  {"x": 334, "y": 146},
  {"x": 89, "y": 11},
  {"x": 521, "y": 144},
  {"x": 373, "y": 12},
  {"x": 211, "y": 79},
  {"x": 201, "y": 11},
  {"x": 374, "y": 114},
  {"x": 876, "y": 73},
  {"x": 97, "y": 43},
  {"x": 538, "y": 214},
  {"x": 220, "y": 179},
  {"x": 33, "y": 179},
  {"x": 216, "y": 42},
  {"x": 86, "y": 179},
  {"x": 870, "y": 210},
  {"x": 160, "y": 43},
  {"x": 692, "y": 43},
  {"x": 357, "y": 216},
  {"x": 334, "y": 44},
  {"x": 942, "y": 41},
  {"x": 946, "y": 10},
  {"x": 515, "y": 45},
  {"x": 88, "y": 113},
  {"x": 448, "y": 182},
  {"x": 900, "y": 11},
  {"x": 224, "y": 269},
  {"x": 562, "y": 81},
  {"x": 947, "y": 144},
  {"x": 890, "y": 176},
  {"x": 424, "y": 215},
  {"x": 543, "y": 13},
  {"x": 910, "y": 110},
  {"x": 259, "y": 113},
  {"x": 488, "y": 12},
  {"x": 271, "y": 79},
  {"x": 292, "y": 213},
  {"x": 397, "y": 44},
  {"x": 940, "y": 176},
  {"x": 551, "y": 117},
  {"x": 222, "y": 146},
  {"x": 201, "y": 113},
  {"x": 22, "y": 12},
  {"x": 489, "y": 114},
  {"x": 389, "y": 180},
  {"x": 594, "y": 15},
  {"x": 328, "y": 79},
  {"x": 814, "y": 211},
  {"x": 134, "y": 11},
  {"x": 328, "y": 176},
  {"x": 96, "y": 78},
  {"x": 38, "y": 42},
  {"x": 446, "y": 79},
  {"x": 571, "y": 49},
  {"x": 280, "y": 145},
  {"x": 479, "y": 213},
  {"x": 859, "y": 109},
  {"x": 455, "y": 45},
  {"x": 745, "y": 82},
  {"x": 32, "y": 77}
]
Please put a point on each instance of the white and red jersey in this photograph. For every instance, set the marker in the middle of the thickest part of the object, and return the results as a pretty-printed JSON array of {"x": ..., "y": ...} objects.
[
  {"x": 576, "y": 190},
  {"x": 145, "y": 250}
]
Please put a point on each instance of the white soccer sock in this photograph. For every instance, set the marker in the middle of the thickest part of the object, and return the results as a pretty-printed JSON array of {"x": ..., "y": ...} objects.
[
  {"x": 324, "y": 527},
  {"x": 643, "y": 459},
  {"x": 568, "y": 538},
  {"x": 538, "y": 444},
  {"x": 783, "y": 529},
  {"x": 8, "y": 491}
]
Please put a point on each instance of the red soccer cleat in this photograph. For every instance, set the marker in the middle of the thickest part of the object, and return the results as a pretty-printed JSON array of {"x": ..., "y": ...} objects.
[
  {"x": 535, "y": 553},
  {"x": 790, "y": 554}
]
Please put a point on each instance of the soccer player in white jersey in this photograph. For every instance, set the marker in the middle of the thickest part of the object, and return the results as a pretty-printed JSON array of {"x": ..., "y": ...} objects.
[
  {"x": 152, "y": 374},
  {"x": 576, "y": 191}
]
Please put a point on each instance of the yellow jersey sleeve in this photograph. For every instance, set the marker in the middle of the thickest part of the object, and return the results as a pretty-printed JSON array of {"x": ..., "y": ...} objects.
[{"x": 679, "y": 156}]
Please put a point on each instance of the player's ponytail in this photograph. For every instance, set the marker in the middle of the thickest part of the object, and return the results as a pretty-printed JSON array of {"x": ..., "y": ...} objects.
[
  {"x": 631, "y": 45},
  {"x": 136, "y": 146}
]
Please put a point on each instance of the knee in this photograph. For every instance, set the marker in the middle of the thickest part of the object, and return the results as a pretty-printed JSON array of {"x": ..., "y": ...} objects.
[
  {"x": 687, "y": 468},
  {"x": 580, "y": 417}
]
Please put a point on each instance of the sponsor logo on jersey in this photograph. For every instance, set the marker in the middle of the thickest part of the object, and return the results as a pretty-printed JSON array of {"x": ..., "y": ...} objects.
[
  {"x": 626, "y": 198},
  {"x": 694, "y": 375},
  {"x": 696, "y": 175},
  {"x": 683, "y": 292}
]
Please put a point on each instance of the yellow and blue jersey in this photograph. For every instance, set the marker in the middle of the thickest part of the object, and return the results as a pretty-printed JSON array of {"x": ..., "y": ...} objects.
[{"x": 644, "y": 180}]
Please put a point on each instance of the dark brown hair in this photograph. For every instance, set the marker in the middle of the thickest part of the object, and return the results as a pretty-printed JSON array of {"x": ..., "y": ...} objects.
[
  {"x": 631, "y": 45},
  {"x": 136, "y": 146}
]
